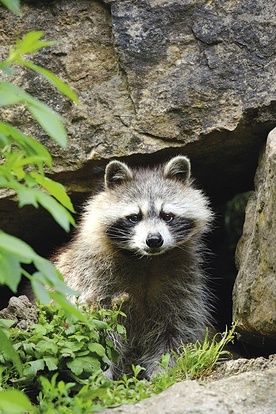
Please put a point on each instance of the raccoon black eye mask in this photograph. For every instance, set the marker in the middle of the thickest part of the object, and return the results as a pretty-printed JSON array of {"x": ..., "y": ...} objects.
[
  {"x": 143, "y": 235},
  {"x": 122, "y": 230}
]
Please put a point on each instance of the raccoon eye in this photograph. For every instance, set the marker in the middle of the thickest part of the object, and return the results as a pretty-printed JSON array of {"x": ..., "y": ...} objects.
[
  {"x": 134, "y": 218},
  {"x": 167, "y": 217}
]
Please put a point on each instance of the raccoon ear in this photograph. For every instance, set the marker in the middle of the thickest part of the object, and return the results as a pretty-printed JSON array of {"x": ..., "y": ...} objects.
[
  {"x": 178, "y": 168},
  {"x": 116, "y": 172}
]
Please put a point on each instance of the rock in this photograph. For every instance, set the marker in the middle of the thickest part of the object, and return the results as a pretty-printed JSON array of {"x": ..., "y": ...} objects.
[
  {"x": 238, "y": 366},
  {"x": 154, "y": 78},
  {"x": 254, "y": 294},
  {"x": 248, "y": 392},
  {"x": 21, "y": 311},
  {"x": 191, "y": 66}
]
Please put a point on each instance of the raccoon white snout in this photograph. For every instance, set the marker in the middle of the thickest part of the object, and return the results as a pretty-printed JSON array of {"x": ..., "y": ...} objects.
[{"x": 154, "y": 241}]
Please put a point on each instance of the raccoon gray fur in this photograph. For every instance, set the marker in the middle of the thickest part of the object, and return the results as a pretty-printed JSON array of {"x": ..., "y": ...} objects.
[{"x": 142, "y": 235}]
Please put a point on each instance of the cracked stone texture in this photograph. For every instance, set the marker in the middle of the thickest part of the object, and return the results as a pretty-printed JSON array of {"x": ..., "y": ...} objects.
[
  {"x": 154, "y": 77},
  {"x": 254, "y": 294},
  {"x": 21, "y": 311}
]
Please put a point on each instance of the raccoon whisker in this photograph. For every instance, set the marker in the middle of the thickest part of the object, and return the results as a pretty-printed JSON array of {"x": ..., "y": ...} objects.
[
  {"x": 117, "y": 236},
  {"x": 117, "y": 232}
]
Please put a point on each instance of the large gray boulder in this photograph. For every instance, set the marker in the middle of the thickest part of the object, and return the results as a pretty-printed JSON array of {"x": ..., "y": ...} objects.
[
  {"x": 155, "y": 77},
  {"x": 254, "y": 294}
]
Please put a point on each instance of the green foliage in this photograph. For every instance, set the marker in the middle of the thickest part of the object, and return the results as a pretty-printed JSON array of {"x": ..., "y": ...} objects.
[
  {"x": 12, "y": 355},
  {"x": 93, "y": 396},
  {"x": 63, "y": 362},
  {"x": 70, "y": 348},
  {"x": 14, "y": 402},
  {"x": 32, "y": 43},
  {"x": 12, "y": 5},
  {"x": 23, "y": 161},
  {"x": 195, "y": 361},
  {"x": 98, "y": 392}
]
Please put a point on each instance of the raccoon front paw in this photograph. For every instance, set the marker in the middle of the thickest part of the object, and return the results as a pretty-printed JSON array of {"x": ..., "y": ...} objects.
[
  {"x": 108, "y": 374},
  {"x": 114, "y": 372}
]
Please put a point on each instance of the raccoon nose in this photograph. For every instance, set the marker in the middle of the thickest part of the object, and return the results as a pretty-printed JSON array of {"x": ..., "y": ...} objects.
[{"x": 154, "y": 240}]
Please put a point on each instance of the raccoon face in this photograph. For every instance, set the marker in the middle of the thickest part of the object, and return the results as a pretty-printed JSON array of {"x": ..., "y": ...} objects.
[
  {"x": 150, "y": 231},
  {"x": 153, "y": 211}
]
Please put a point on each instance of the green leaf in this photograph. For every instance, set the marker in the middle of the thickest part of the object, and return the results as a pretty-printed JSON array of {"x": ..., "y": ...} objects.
[
  {"x": 39, "y": 289},
  {"x": 12, "y": 5},
  {"x": 27, "y": 196},
  {"x": 97, "y": 348},
  {"x": 59, "y": 213},
  {"x": 30, "y": 43},
  {"x": 32, "y": 367},
  {"x": 50, "y": 276},
  {"x": 8, "y": 349},
  {"x": 46, "y": 346},
  {"x": 84, "y": 364},
  {"x": 49, "y": 120},
  {"x": 3, "y": 140},
  {"x": 68, "y": 307},
  {"x": 17, "y": 247},
  {"x": 10, "y": 271},
  {"x": 51, "y": 363},
  {"x": 3, "y": 181},
  {"x": 56, "y": 189},
  {"x": 14, "y": 402},
  {"x": 100, "y": 324},
  {"x": 8, "y": 95},
  {"x": 6, "y": 323},
  {"x": 6, "y": 69},
  {"x": 48, "y": 269},
  {"x": 29, "y": 144},
  {"x": 121, "y": 329},
  {"x": 58, "y": 83}
]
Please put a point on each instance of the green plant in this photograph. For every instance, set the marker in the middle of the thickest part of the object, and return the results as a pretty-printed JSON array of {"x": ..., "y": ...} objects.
[
  {"x": 195, "y": 361},
  {"x": 12, "y": 5},
  {"x": 93, "y": 396},
  {"x": 98, "y": 392},
  {"x": 63, "y": 362},
  {"x": 71, "y": 349},
  {"x": 22, "y": 170},
  {"x": 14, "y": 402}
]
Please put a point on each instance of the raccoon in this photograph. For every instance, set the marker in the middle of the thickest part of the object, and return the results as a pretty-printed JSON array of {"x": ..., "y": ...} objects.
[{"x": 142, "y": 235}]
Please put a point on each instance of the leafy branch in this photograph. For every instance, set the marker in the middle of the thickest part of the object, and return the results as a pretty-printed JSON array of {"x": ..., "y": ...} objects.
[{"x": 22, "y": 170}]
